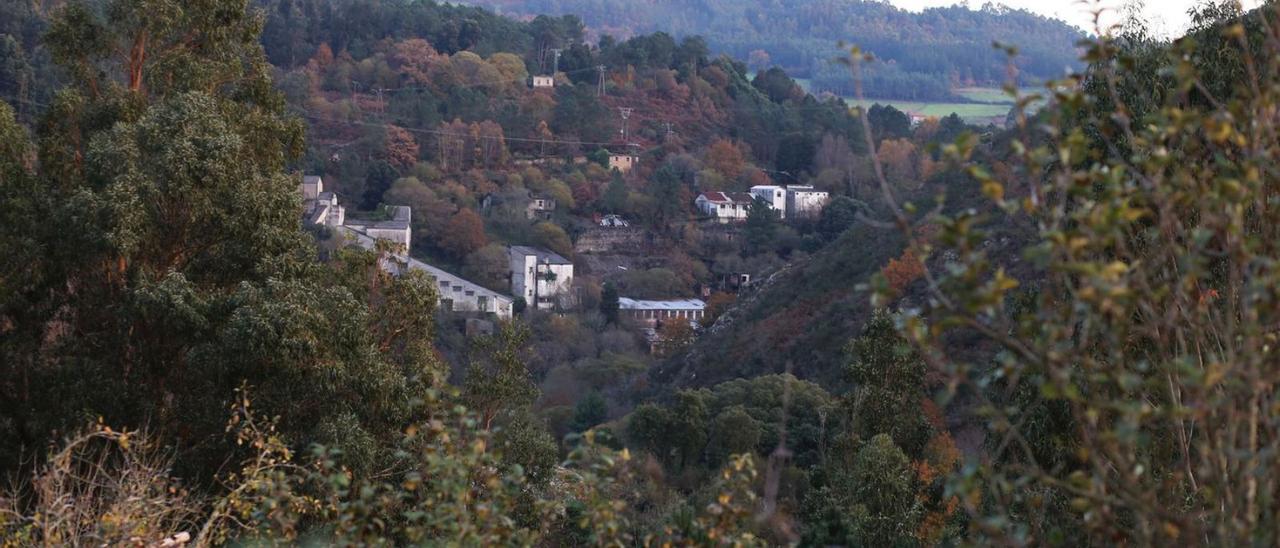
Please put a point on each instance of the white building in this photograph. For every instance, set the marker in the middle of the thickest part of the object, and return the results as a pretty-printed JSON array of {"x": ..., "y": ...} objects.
[
  {"x": 773, "y": 195},
  {"x": 460, "y": 295},
  {"x": 320, "y": 207},
  {"x": 724, "y": 207},
  {"x": 454, "y": 292},
  {"x": 651, "y": 313},
  {"x": 543, "y": 82},
  {"x": 803, "y": 202},
  {"x": 543, "y": 278}
]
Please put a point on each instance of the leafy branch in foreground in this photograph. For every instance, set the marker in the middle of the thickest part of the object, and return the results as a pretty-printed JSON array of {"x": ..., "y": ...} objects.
[{"x": 1127, "y": 273}]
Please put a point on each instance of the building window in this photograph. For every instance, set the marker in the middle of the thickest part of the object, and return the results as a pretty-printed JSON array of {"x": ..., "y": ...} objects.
[
  {"x": 446, "y": 304},
  {"x": 471, "y": 293},
  {"x": 483, "y": 304}
]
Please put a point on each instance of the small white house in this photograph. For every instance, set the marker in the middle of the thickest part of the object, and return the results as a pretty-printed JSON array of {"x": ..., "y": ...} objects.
[
  {"x": 543, "y": 278},
  {"x": 804, "y": 202},
  {"x": 724, "y": 207},
  {"x": 623, "y": 162},
  {"x": 773, "y": 195},
  {"x": 543, "y": 82}
]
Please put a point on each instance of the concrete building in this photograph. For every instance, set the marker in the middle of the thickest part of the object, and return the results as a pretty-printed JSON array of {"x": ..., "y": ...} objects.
[
  {"x": 455, "y": 293},
  {"x": 623, "y": 162},
  {"x": 543, "y": 278},
  {"x": 804, "y": 202},
  {"x": 542, "y": 82},
  {"x": 792, "y": 202},
  {"x": 460, "y": 295},
  {"x": 539, "y": 208},
  {"x": 773, "y": 195},
  {"x": 396, "y": 228},
  {"x": 724, "y": 207},
  {"x": 651, "y": 313},
  {"x": 320, "y": 207}
]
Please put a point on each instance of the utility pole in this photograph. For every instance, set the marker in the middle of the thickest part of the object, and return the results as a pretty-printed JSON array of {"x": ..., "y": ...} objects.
[
  {"x": 600, "y": 91},
  {"x": 626, "y": 113},
  {"x": 669, "y": 130},
  {"x": 556, "y": 62}
]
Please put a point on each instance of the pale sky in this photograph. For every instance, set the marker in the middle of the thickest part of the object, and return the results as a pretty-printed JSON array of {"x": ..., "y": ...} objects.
[{"x": 1168, "y": 17}]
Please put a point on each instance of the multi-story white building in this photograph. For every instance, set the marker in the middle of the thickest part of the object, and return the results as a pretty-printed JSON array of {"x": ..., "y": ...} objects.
[
  {"x": 773, "y": 195},
  {"x": 792, "y": 202},
  {"x": 724, "y": 207},
  {"x": 543, "y": 278},
  {"x": 804, "y": 202}
]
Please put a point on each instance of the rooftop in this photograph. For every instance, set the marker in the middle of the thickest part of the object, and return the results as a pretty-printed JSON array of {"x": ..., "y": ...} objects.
[
  {"x": 728, "y": 197},
  {"x": 544, "y": 256},
  {"x": 677, "y": 304}
]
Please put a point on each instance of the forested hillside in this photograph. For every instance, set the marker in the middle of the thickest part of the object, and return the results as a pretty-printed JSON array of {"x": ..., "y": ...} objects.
[
  {"x": 1061, "y": 332},
  {"x": 923, "y": 56}
]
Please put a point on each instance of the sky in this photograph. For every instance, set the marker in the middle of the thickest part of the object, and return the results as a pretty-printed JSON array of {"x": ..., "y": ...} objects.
[{"x": 1168, "y": 17}]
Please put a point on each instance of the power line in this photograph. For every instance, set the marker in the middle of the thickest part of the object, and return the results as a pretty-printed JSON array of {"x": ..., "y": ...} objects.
[{"x": 453, "y": 133}]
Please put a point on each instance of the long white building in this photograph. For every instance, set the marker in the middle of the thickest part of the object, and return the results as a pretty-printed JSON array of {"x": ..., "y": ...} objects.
[{"x": 651, "y": 313}]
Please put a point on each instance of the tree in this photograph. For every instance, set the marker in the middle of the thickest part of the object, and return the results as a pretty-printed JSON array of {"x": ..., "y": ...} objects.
[
  {"x": 888, "y": 122},
  {"x": 838, "y": 216},
  {"x": 177, "y": 270},
  {"x": 400, "y": 148},
  {"x": 616, "y": 196},
  {"x": 378, "y": 179},
  {"x": 609, "y": 303},
  {"x": 674, "y": 335},
  {"x": 551, "y": 236},
  {"x": 899, "y": 159},
  {"x": 717, "y": 304},
  {"x": 889, "y": 381},
  {"x": 497, "y": 381},
  {"x": 726, "y": 158},
  {"x": 488, "y": 266},
  {"x": 777, "y": 85},
  {"x": 464, "y": 234},
  {"x": 761, "y": 228},
  {"x": 589, "y": 411}
]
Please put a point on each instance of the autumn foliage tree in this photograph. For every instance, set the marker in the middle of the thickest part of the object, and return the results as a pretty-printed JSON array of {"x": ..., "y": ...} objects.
[{"x": 465, "y": 233}]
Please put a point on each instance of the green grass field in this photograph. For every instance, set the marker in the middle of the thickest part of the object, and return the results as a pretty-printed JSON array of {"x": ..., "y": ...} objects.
[
  {"x": 978, "y": 113},
  {"x": 992, "y": 106}
]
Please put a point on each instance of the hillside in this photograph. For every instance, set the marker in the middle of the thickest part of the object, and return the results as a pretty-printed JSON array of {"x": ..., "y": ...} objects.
[{"x": 925, "y": 55}]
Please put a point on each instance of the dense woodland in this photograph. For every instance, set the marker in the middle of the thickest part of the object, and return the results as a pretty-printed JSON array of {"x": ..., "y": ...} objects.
[
  {"x": 923, "y": 55},
  {"x": 1056, "y": 333}
]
